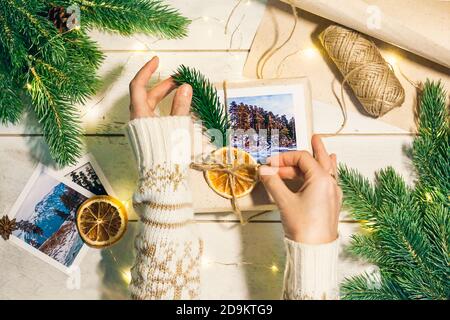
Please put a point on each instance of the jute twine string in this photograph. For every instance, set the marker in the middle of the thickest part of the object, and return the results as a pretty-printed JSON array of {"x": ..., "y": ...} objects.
[
  {"x": 231, "y": 15},
  {"x": 364, "y": 69},
  {"x": 230, "y": 170},
  {"x": 232, "y": 173},
  {"x": 271, "y": 52},
  {"x": 371, "y": 78}
]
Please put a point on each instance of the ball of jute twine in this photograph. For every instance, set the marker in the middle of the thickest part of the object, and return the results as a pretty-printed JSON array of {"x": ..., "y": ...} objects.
[{"x": 364, "y": 69}]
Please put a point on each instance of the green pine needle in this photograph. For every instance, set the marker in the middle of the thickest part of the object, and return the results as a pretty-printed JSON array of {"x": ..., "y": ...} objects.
[
  {"x": 53, "y": 71},
  {"x": 407, "y": 228},
  {"x": 131, "y": 16},
  {"x": 11, "y": 106},
  {"x": 205, "y": 102}
]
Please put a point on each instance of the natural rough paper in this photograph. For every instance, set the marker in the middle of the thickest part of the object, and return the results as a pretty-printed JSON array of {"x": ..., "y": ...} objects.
[
  {"x": 419, "y": 26},
  {"x": 312, "y": 61}
]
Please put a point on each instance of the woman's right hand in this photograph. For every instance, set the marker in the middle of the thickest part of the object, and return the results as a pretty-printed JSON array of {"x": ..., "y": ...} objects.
[{"x": 311, "y": 214}]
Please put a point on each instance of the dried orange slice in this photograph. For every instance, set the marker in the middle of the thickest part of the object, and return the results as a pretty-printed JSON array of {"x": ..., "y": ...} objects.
[
  {"x": 101, "y": 221},
  {"x": 219, "y": 180}
]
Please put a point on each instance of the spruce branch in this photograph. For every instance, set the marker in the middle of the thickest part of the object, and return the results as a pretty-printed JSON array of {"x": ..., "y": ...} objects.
[
  {"x": 391, "y": 187},
  {"x": 360, "y": 198},
  {"x": 58, "y": 119},
  {"x": 11, "y": 106},
  {"x": 431, "y": 148},
  {"x": 368, "y": 247},
  {"x": 127, "y": 17},
  {"x": 364, "y": 287},
  {"x": 12, "y": 49},
  {"x": 409, "y": 235},
  {"x": 54, "y": 70},
  {"x": 205, "y": 101}
]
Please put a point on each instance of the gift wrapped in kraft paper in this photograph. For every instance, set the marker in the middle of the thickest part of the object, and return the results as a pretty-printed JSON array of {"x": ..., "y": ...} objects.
[{"x": 412, "y": 36}]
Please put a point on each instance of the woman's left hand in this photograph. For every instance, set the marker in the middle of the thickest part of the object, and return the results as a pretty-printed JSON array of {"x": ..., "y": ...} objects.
[{"x": 144, "y": 101}]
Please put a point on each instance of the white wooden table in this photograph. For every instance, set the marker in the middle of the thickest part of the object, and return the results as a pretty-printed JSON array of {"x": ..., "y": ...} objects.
[{"x": 240, "y": 262}]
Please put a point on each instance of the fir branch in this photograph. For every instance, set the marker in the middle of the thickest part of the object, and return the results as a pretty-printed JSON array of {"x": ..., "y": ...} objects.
[
  {"x": 436, "y": 225},
  {"x": 37, "y": 33},
  {"x": 11, "y": 106},
  {"x": 391, "y": 188},
  {"x": 410, "y": 227},
  {"x": 359, "y": 196},
  {"x": 368, "y": 247},
  {"x": 364, "y": 287},
  {"x": 58, "y": 119},
  {"x": 12, "y": 48},
  {"x": 127, "y": 17},
  {"x": 57, "y": 70},
  {"x": 431, "y": 148},
  {"x": 205, "y": 101}
]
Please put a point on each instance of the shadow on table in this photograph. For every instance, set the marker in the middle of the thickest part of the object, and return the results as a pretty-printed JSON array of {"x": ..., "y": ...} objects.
[
  {"x": 115, "y": 265},
  {"x": 263, "y": 249}
]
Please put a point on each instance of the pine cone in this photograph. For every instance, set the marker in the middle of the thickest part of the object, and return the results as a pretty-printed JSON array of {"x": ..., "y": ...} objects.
[
  {"x": 59, "y": 17},
  {"x": 7, "y": 227}
]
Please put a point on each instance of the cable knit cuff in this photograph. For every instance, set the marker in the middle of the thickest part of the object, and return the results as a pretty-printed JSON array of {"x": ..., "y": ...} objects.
[
  {"x": 160, "y": 140},
  {"x": 162, "y": 147},
  {"x": 311, "y": 271}
]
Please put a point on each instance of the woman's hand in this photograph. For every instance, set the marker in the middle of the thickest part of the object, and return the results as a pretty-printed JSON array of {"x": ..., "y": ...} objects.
[
  {"x": 311, "y": 214},
  {"x": 143, "y": 101}
]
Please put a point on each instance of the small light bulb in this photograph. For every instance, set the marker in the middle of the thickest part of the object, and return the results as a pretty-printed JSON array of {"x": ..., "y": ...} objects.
[
  {"x": 92, "y": 116},
  {"x": 274, "y": 268},
  {"x": 391, "y": 59},
  {"x": 139, "y": 45},
  {"x": 126, "y": 204},
  {"x": 310, "y": 52},
  {"x": 205, "y": 18},
  {"x": 126, "y": 275},
  {"x": 206, "y": 262},
  {"x": 29, "y": 86},
  {"x": 428, "y": 197}
]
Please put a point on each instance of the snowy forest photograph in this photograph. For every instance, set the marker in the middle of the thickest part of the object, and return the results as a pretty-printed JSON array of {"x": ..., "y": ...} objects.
[
  {"x": 272, "y": 119},
  {"x": 48, "y": 213},
  {"x": 86, "y": 178}
]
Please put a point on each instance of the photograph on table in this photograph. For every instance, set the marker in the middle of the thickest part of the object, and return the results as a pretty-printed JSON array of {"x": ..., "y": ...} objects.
[
  {"x": 46, "y": 213},
  {"x": 87, "y": 174},
  {"x": 268, "y": 119}
]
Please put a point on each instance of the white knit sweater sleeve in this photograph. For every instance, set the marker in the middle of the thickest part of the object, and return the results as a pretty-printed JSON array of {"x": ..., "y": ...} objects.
[
  {"x": 168, "y": 249},
  {"x": 311, "y": 271}
]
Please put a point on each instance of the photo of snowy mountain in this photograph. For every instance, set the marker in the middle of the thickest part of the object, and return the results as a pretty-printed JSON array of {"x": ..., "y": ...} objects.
[{"x": 49, "y": 209}]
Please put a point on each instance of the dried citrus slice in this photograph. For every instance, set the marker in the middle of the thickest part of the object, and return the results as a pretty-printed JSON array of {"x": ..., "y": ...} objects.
[
  {"x": 101, "y": 221},
  {"x": 232, "y": 157}
]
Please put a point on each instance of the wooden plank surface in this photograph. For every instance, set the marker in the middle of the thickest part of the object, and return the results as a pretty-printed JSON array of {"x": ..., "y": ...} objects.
[
  {"x": 107, "y": 112},
  {"x": 365, "y": 153},
  {"x": 221, "y": 57},
  {"x": 235, "y": 266},
  {"x": 206, "y": 32}
]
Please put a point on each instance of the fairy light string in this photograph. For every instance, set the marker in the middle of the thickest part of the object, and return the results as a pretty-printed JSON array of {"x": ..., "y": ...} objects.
[
  {"x": 125, "y": 272},
  {"x": 309, "y": 52}
]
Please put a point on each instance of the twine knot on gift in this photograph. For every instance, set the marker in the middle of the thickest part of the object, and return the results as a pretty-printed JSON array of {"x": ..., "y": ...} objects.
[{"x": 234, "y": 174}]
